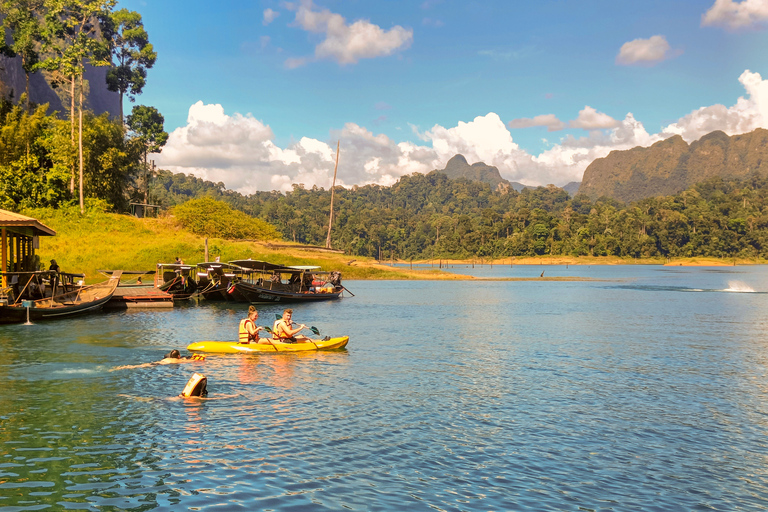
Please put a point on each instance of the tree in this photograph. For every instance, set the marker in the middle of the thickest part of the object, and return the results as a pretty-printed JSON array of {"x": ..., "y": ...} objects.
[
  {"x": 72, "y": 36},
  {"x": 132, "y": 54},
  {"x": 147, "y": 125}
]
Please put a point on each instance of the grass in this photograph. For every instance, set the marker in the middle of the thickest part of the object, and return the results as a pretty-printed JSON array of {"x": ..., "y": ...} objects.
[{"x": 106, "y": 241}]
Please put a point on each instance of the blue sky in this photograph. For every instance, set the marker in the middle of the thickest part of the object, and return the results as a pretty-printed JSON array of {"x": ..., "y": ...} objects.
[{"x": 256, "y": 93}]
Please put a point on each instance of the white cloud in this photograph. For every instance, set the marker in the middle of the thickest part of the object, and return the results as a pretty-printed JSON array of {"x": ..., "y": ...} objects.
[
  {"x": 551, "y": 121},
  {"x": 591, "y": 119},
  {"x": 269, "y": 16},
  {"x": 748, "y": 14},
  {"x": 347, "y": 43},
  {"x": 644, "y": 51},
  {"x": 746, "y": 115},
  {"x": 239, "y": 149}
]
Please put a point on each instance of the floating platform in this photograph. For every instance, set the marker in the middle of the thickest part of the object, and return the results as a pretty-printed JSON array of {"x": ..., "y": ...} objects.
[{"x": 139, "y": 296}]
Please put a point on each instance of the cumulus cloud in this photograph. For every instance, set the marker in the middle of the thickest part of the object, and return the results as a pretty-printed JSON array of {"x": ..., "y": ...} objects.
[
  {"x": 732, "y": 15},
  {"x": 644, "y": 51},
  {"x": 551, "y": 121},
  {"x": 239, "y": 150},
  {"x": 269, "y": 16},
  {"x": 347, "y": 43},
  {"x": 591, "y": 119}
]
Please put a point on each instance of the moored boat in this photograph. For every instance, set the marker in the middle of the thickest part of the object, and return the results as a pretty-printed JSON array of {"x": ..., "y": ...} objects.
[
  {"x": 287, "y": 283},
  {"x": 216, "y": 281},
  {"x": 75, "y": 301},
  {"x": 177, "y": 279},
  {"x": 233, "y": 347}
]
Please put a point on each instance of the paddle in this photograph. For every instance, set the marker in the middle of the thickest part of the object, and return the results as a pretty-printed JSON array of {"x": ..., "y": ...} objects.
[{"x": 270, "y": 331}]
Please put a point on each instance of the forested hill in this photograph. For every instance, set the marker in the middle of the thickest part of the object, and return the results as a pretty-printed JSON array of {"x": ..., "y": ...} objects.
[{"x": 430, "y": 216}]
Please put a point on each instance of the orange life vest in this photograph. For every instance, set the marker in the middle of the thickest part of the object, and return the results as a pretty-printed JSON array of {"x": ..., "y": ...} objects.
[{"x": 245, "y": 336}]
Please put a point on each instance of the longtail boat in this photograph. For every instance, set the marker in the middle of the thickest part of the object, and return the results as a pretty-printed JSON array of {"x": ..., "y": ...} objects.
[
  {"x": 287, "y": 283},
  {"x": 74, "y": 300},
  {"x": 177, "y": 279},
  {"x": 216, "y": 281}
]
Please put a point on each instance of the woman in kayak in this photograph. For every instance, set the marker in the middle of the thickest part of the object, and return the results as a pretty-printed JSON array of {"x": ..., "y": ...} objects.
[
  {"x": 249, "y": 331},
  {"x": 283, "y": 329}
]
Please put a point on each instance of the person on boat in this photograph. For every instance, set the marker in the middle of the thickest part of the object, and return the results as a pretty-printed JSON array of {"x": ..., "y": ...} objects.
[
  {"x": 249, "y": 331},
  {"x": 55, "y": 279},
  {"x": 283, "y": 330}
]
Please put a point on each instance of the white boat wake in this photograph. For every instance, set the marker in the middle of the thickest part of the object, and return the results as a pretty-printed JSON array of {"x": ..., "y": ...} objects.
[{"x": 739, "y": 287}]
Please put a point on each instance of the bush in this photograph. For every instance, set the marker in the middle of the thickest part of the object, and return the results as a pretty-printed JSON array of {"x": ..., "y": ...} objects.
[{"x": 211, "y": 218}]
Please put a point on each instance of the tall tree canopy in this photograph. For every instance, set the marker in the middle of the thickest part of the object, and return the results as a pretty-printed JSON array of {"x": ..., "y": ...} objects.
[{"x": 132, "y": 54}]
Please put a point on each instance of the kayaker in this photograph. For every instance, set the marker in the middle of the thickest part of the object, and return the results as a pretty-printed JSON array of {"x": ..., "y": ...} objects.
[
  {"x": 249, "y": 331},
  {"x": 283, "y": 330}
]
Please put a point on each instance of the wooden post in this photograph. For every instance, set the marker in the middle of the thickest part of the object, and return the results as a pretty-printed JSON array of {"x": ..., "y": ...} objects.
[
  {"x": 5, "y": 257},
  {"x": 18, "y": 254},
  {"x": 330, "y": 220},
  {"x": 206, "y": 249}
]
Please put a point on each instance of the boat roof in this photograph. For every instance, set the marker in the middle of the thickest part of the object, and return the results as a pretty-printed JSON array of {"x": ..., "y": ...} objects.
[
  {"x": 257, "y": 265},
  {"x": 128, "y": 272},
  {"x": 175, "y": 266},
  {"x": 304, "y": 267},
  {"x": 218, "y": 264}
]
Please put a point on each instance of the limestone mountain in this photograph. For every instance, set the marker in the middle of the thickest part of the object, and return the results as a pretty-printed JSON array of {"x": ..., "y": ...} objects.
[
  {"x": 98, "y": 98},
  {"x": 458, "y": 167},
  {"x": 671, "y": 165}
]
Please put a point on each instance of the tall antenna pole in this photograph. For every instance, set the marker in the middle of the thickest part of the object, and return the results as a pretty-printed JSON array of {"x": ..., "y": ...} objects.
[{"x": 330, "y": 221}]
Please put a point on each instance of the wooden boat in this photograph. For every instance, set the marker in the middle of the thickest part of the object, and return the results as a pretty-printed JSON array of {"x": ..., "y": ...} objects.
[
  {"x": 233, "y": 347},
  {"x": 287, "y": 283},
  {"x": 75, "y": 301},
  {"x": 176, "y": 279},
  {"x": 215, "y": 281}
]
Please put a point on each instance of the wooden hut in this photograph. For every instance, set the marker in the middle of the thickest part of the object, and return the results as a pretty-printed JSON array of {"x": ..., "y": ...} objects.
[{"x": 20, "y": 235}]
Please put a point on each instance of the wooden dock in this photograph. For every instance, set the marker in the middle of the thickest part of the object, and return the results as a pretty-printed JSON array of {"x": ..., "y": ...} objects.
[{"x": 139, "y": 296}]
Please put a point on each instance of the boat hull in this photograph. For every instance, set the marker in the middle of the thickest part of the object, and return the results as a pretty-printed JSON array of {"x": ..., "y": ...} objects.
[
  {"x": 50, "y": 309},
  {"x": 233, "y": 347},
  {"x": 263, "y": 295}
]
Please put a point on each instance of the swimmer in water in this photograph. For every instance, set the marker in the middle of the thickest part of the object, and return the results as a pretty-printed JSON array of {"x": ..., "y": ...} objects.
[{"x": 172, "y": 357}]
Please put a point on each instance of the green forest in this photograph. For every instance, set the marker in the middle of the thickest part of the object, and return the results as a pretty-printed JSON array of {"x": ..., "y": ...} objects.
[{"x": 432, "y": 216}]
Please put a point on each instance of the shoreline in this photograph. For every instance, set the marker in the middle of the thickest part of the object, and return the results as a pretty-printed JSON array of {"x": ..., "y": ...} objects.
[{"x": 437, "y": 264}]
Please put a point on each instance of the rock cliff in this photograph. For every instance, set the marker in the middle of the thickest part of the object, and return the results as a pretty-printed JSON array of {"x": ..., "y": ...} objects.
[{"x": 671, "y": 165}]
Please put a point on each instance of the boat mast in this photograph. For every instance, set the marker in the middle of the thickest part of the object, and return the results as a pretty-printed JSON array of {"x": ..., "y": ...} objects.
[{"x": 330, "y": 220}]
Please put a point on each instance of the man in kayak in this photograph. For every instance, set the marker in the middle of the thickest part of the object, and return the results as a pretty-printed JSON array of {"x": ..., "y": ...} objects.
[
  {"x": 249, "y": 331},
  {"x": 283, "y": 330}
]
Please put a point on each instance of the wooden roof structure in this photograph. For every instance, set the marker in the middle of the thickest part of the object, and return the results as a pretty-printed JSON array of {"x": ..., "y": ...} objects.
[
  {"x": 18, "y": 241},
  {"x": 23, "y": 225}
]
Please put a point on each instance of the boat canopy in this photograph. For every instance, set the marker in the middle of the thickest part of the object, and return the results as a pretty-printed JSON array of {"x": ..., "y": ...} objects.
[
  {"x": 218, "y": 265},
  {"x": 263, "y": 266}
]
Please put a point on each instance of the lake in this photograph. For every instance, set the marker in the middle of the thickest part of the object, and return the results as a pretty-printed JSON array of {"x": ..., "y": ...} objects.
[{"x": 642, "y": 388}]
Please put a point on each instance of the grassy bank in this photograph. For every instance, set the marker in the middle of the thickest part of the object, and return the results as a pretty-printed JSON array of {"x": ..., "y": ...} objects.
[{"x": 105, "y": 241}]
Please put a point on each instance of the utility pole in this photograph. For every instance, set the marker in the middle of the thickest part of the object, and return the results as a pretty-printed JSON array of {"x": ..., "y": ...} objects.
[{"x": 330, "y": 220}]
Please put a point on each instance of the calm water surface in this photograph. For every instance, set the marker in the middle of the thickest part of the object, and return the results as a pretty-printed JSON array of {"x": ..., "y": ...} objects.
[{"x": 644, "y": 390}]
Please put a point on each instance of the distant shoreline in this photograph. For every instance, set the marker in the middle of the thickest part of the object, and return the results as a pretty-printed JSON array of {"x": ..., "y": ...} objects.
[{"x": 582, "y": 260}]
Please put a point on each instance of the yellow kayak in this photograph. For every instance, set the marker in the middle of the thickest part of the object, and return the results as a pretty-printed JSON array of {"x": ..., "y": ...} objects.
[{"x": 233, "y": 347}]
